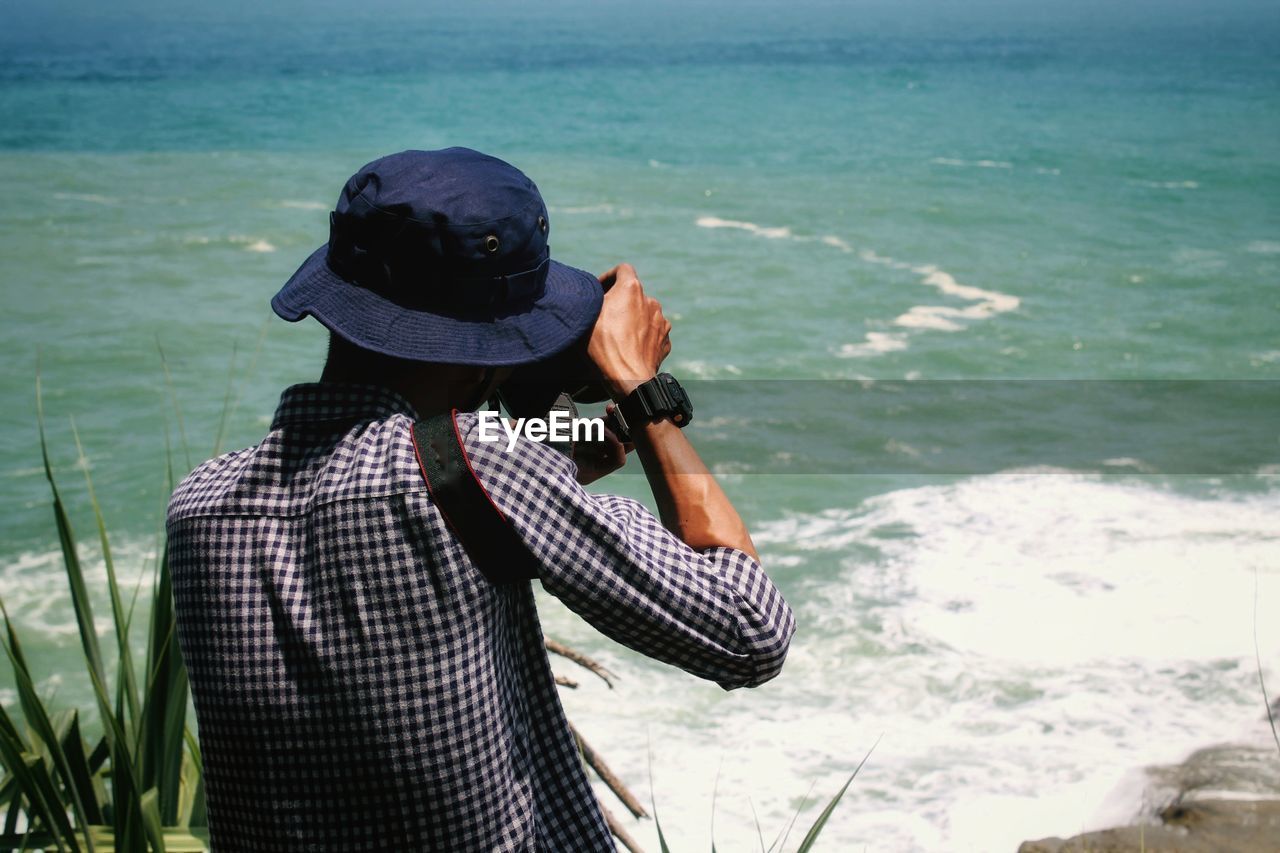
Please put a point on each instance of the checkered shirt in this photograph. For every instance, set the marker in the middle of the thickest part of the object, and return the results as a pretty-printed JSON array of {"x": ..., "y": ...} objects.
[{"x": 359, "y": 685}]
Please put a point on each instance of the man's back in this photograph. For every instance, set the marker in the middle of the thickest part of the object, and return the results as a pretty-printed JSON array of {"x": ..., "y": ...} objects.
[{"x": 360, "y": 685}]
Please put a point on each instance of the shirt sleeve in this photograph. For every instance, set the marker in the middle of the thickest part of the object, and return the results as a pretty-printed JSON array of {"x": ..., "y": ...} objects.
[{"x": 713, "y": 613}]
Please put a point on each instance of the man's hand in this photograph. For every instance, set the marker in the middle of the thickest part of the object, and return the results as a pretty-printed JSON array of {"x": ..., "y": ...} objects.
[
  {"x": 631, "y": 337},
  {"x": 596, "y": 459}
]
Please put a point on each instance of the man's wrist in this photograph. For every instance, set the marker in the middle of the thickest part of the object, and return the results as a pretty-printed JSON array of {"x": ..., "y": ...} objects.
[
  {"x": 659, "y": 398},
  {"x": 620, "y": 389}
]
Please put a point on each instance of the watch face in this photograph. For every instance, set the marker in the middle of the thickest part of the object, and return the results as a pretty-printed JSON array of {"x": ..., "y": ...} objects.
[
  {"x": 660, "y": 397},
  {"x": 681, "y": 410}
]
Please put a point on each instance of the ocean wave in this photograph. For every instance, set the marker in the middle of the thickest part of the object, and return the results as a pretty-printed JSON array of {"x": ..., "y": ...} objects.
[
  {"x": 292, "y": 204},
  {"x": 603, "y": 207},
  {"x": 1268, "y": 357},
  {"x": 1024, "y": 644},
  {"x": 935, "y": 318},
  {"x": 917, "y": 318},
  {"x": 1264, "y": 247},
  {"x": 1169, "y": 185},
  {"x": 91, "y": 198},
  {"x": 750, "y": 227},
  {"x": 36, "y": 595},
  {"x": 1034, "y": 558},
  {"x": 699, "y": 369},
  {"x": 875, "y": 343},
  {"x": 974, "y": 164},
  {"x": 252, "y": 244}
]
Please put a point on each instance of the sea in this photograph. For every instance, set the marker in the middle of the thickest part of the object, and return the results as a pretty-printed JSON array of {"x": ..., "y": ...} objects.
[{"x": 978, "y": 306}]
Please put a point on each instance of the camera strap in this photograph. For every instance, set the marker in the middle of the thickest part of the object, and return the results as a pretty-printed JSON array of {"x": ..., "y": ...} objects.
[{"x": 490, "y": 541}]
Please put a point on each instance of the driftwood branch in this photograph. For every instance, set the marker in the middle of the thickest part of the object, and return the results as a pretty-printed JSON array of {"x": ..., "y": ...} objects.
[
  {"x": 596, "y": 763},
  {"x": 619, "y": 831},
  {"x": 593, "y": 758},
  {"x": 581, "y": 660}
]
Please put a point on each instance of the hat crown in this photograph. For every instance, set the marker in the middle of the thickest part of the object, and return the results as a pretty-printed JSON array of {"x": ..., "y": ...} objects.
[{"x": 450, "y": 230}]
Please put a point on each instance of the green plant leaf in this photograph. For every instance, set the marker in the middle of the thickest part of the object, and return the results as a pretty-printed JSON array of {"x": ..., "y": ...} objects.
[
  {"x": 164, "y": 718},
  {"x": 14, "y": 808},
  {"x": 151, "y": 819},
  {"x": 126, "y": 807},
  {"x": 226, "y": 401},
  {"x": 653, "y": 801},
  {"x": 173, "y": 400},
  {"x": 199, "y": 814},
  {"x": 25, "y": 766},
  {"x": 715, "y": 790},
  {"x": 59, "y": 824},
  {"x": 81, "y": 774},
  {"x": 71, "y": 560},
  {"x": 780, "y": 842},
  {"x": 128, "y": 684},
  {"x": 811, "y": 836},
  {"x": 756, "y": 819},
  {"x": 37, "y": 718}
]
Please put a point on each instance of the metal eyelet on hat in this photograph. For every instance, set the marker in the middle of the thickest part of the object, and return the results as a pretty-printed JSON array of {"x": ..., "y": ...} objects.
[
  {"x": 542, "y": 224},
  {"x": 491, "y": 243}
]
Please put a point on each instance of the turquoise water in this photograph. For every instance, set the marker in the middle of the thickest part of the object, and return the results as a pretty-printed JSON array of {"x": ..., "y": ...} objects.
[{"x": 833, "y": 192}]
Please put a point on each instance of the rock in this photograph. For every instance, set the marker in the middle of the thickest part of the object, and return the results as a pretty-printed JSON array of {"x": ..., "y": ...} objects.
[
  {"x": 1206, "y": 826},
  {"x": 1222, "y": 799}
]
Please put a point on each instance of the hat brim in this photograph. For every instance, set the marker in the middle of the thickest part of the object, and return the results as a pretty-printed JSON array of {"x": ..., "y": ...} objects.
[{"x": 564, "y": 313}]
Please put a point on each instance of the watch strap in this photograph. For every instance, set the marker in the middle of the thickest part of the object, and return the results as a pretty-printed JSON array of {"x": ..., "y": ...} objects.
[{"x": 660, "y": 397}]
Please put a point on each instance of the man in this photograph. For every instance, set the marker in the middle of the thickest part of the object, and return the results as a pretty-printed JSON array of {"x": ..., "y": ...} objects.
[{"x": 359, "y": 683}]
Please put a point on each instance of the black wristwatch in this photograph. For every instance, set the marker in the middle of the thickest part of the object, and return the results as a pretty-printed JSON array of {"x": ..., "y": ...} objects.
[{"x": 661, "y": 397}]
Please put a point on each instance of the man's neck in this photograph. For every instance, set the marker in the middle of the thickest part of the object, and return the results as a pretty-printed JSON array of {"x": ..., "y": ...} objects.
[{"x": 437, "y": 389}]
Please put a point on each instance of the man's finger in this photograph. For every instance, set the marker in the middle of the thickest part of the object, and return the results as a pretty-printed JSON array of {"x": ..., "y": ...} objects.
[{"x": 611, "y": 276}]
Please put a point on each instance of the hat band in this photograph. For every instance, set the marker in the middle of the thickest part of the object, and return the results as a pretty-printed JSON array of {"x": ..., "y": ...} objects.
[{"x": 402, "y": 280}]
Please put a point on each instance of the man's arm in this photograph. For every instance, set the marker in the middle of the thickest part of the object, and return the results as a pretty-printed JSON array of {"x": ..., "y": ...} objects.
[
  {"x": 714, "y": 613},
  {"x": 688, "y": 589},
  {"x": 628, "y": 344}
]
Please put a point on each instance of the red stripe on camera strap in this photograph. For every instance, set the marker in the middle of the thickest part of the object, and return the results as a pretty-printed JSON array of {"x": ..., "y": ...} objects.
[{"x": 489, "y": 539}]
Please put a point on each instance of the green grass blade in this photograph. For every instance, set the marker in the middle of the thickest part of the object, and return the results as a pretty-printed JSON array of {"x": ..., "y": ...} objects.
[
  {"x": 164, "y": 724},
  {"x": 756, "y": 818},
  {"x": 780, "y": 842},
  {"x": 19, "y": 762},
  {"x": 81, "y": 774},
  {"x": 199, "y": 807},
  {"x": 99, "y": 756},
  {"x": 151, "y": 820},
  {"x": 71, "y": 560},
  {"x": 125, "y": 790},
  {"x": 7, "y": 727},
  {"x": 128, "y": 684},
  {"x": 8, "y": 788},
  {"x": 60, "y": 826},
  {"x": 37, "y": 718},
  {"x": 193, "y": 747},
  {"x": 1266, "y": 701},
  {"x": 13, "y": 811},
  {"x": 22, "y": 765},
  {"x": 653, "y": 801},
  {"x": 226, "y": 402},
  {"x": 173, "y": 399},
  {"x": 229, "y": 409},
  {"x": 715, "y": 790},
  {"x": 811, "y": 837}
]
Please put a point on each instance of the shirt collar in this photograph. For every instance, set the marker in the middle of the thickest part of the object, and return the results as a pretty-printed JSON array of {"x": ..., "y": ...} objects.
[{"x": 332, "y": 401}]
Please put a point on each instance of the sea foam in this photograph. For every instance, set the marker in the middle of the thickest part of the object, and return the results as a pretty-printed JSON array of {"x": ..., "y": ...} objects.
[{"x": 1023, "y": 642}]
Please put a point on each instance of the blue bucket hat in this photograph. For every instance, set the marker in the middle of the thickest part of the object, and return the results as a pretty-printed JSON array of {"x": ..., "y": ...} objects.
[{"x": 442, "y": 256}]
